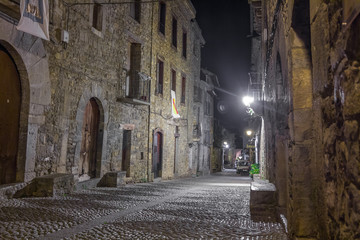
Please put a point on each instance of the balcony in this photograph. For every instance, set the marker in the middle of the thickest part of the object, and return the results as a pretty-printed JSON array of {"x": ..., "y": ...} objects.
[{"x": 137, "y": 89}]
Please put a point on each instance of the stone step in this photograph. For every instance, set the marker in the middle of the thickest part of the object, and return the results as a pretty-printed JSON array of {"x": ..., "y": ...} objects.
[
  {"x": 113, "y": 179},
  {"x": 263, "y": 202},
  {"x": 48, "y": 186},
  {"x": 8, "y": 190},
  {"x": 88, "y": 184}
]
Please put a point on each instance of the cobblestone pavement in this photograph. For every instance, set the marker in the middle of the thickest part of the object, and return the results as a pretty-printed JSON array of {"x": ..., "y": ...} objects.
[{"x": 214, "y": 207}]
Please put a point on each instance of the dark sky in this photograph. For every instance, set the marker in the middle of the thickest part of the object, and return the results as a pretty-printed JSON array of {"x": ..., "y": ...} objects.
[{"x": 225, "y": 26}]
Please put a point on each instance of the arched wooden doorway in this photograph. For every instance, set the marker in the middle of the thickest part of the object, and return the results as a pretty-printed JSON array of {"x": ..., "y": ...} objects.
[
  {"x": 157, "y": 153},
  {"x": 10, "y": 103},
  {"x": 89, "y": 144}
]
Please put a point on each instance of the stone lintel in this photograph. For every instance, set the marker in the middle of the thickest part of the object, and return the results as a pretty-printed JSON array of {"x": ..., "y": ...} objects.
[{"x": 127, "y": 126}]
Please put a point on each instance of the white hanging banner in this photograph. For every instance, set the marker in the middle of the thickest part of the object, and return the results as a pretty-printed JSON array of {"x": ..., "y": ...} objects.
[
  {"x": 34, "y": 18},
  {"x": 174, "y": 110}
]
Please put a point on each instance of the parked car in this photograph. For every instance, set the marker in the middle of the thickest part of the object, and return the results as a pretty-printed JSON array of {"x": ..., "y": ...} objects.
[{"x": 243, "y": 166}]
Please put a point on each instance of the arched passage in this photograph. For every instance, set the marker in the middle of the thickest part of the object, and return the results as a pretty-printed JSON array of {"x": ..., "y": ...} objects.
[
  {"x": 92, "y": 99},
  {"x": 157, "y": 153},
  {"x": 90, "y": 135},
  {"x": 10, "y": 105},
  {"x": 13, "y": 71}
]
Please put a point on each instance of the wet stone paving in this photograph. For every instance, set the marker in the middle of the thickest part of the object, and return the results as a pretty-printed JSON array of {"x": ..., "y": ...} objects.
[{"x": 213, "y": 207}]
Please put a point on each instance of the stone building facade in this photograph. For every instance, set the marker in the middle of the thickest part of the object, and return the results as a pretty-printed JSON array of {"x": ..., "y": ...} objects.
[
  {"x": 175, "y": 66},
  {"x": 307, "y": 56},
  {"x": 203, "y": 122},
  {"x": 91, "y": 105}
]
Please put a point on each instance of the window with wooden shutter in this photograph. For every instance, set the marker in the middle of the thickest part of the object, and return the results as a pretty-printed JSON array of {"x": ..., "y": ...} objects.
[
  {"x": 162, "y": 17},
  {"x": 160, "y": 77},
  {"x": 173, "y": 80},
  {"x": 174, "y": 32},
  {"x": 184, "y": 50}
]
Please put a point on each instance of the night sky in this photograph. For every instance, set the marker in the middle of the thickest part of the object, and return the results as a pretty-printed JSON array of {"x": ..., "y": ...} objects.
[{"x": 225, "y": 27}]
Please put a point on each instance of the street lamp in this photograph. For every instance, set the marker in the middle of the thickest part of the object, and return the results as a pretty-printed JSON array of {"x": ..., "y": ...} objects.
[
  {"x": 247, "y": 100},
  {"x": 249, "y": 132}
]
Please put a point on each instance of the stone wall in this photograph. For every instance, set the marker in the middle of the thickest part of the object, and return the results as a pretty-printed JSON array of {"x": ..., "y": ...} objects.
[
  {"x": 203, "y": 121},
  {"x": 336, "y": 94},
  {"x": 92, "y": 66},
  {"x": 171, "y": 56},
  {"x": 58, "y": 79},
  {"x": 311, "y": 116}
]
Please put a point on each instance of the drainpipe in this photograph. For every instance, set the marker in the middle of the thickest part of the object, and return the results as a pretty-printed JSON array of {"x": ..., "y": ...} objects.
[{"x": 149, "y": 168}]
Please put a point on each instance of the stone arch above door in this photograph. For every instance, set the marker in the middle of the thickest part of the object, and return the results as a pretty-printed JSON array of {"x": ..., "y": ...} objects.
[
  {"x": 97, "y": 93},
  {"x": 32, "y": 64},
  {"x": 157, "y": 153}
]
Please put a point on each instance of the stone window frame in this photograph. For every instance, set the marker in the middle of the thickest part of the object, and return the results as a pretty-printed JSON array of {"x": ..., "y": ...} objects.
[
  {"x": 183, "y": 89},
  {"x": 132, "y": 39},
  {"x": 184, "y": 51},
  {"x": 159, "y": 60},
  {"x": 99, "y": 33},
  {"x": 135, "y": 10},
  {"x": 162, "y": 23},
  {"x": 175, "y": 46},
  {"x": 173, "y": 71}
]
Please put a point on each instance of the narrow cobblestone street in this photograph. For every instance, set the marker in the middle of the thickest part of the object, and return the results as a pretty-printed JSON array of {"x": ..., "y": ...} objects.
[{"x": 214, "y": 207}]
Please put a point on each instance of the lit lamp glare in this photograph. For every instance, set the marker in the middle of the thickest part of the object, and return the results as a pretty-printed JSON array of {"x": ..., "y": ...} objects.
[
  {"x": 248, "y": 132},
  {"x": 248, "y": 100}
]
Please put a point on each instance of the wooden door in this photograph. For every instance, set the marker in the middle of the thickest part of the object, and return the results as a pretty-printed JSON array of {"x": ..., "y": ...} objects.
[
  {"x": 126, "y": 152},
  {"x": 10, "y": 101},
  {"x": 88, "y": 153},
  {"x": 157, "y": 154}
]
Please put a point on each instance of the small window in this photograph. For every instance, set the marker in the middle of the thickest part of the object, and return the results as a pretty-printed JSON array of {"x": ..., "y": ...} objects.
[
  {"x": 184, "y": 52},
  {"x": 135, "y": 9},
  {"x": 97, "y": 17},
  {"x": 173, "y": 80},
  {"x": 160, "y": 77},
  {"x": 183, "y": 89},
  {"x": 162, "y": 18},
  {"x": 132, "y": 85},
  {"x": 174, "y": 32}
]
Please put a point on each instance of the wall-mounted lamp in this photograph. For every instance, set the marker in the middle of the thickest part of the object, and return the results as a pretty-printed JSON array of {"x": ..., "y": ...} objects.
[
  {"x": 247, "y": 100},
  {"x": 249, "y": 132}
]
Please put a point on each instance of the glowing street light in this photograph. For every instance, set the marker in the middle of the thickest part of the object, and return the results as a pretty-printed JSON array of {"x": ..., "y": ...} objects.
[
  {"x": 249, "y": 132},
  {"x": 247, "y": 100}
]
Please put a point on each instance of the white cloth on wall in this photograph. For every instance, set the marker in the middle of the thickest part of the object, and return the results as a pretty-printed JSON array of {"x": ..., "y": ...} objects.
[{"x": 34, "y": 18}]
